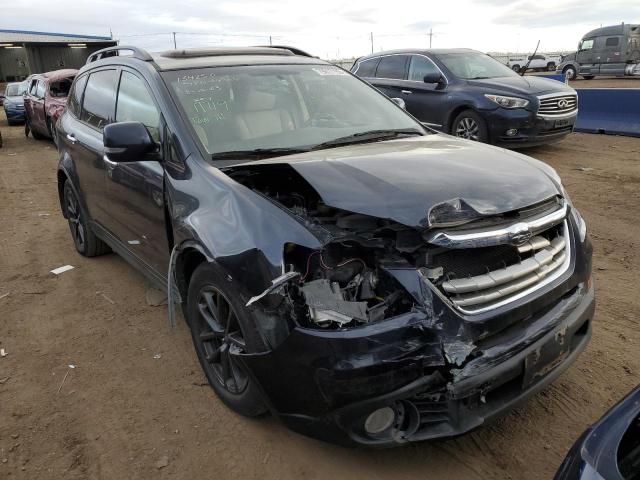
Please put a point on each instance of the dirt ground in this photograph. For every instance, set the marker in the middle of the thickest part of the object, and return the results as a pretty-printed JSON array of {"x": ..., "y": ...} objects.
[{"x": 136, "y": 405}]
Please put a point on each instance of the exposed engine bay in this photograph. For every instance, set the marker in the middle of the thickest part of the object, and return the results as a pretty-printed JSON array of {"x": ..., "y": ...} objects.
[{"x": 350, "y": 281}]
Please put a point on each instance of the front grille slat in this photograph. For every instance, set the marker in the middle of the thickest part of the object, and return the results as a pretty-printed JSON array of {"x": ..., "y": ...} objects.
[
  {"x": 508, "y": 274},
  {"x": 477, "y": 279},
  {"x": 558, "y": 105}
]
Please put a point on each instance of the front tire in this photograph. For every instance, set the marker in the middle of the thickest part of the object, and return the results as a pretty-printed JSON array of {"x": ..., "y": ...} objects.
[
  {"x": 551, "y": 67},
  {"x": 471, "y": 126},
  {"x": 221, "y": 325},
  {"x": 85, "y": 241},
  {"x": 570, "y": 72},
  {"x": 516, "y": 68}
]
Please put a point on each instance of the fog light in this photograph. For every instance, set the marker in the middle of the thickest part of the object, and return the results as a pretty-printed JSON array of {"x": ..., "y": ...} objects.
[
  {"x": 512, "y": 132},
  {"x": 380, "y": 420}
]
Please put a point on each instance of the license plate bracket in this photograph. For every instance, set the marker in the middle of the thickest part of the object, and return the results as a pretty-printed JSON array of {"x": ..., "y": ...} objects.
[
  {"x": 543, "y": 360},
  {"x": 563, "y": 122}
]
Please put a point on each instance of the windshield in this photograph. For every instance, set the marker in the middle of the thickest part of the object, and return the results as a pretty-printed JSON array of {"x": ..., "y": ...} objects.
[
  {"x": 16, "y": 89},
  {"x": 283, "y": 107},
  {"x": 475, "y": 65}
]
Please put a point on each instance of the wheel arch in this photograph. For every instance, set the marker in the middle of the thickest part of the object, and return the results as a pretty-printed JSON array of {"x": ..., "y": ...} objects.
[
  {"x": 62, "y": 178},
  {"x": 457, "y": 111},
  {"x": 190, "y": 257}
]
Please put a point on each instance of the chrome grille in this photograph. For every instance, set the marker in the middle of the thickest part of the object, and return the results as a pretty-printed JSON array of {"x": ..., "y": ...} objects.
[
  {"x": 559, "y": 105},
  {"x": 497, "y": 284},
  {"x": 489, "y": 275}
]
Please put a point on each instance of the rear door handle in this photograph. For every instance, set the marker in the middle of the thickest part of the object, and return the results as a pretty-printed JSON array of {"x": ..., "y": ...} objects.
[
  {"x": 71, "y": 138},
  {"x": 406, "y": 92}
]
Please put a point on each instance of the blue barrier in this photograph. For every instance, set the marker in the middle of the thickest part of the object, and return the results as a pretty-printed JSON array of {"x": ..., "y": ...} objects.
[
  {"x": 614, "y": 111},
  {"x": 559, "y": 77}
]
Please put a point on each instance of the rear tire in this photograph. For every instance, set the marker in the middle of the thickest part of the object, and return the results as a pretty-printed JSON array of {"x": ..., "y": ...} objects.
[
  {"x": 551, "y": 67},
  {"x": 221, "y": 324},
  {"x": 52, "y": 131},
  {"x": 516, "y": 68},
  {"x": 471, "y": 126},
  {"x": 85, "y": 241}
]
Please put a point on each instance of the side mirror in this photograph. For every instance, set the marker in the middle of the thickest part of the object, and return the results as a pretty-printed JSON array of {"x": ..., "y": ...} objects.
[
  {"x": 400, "y": 103},
  {"x": 433, "y": 78},
  {"x": 127, "y": 142}
]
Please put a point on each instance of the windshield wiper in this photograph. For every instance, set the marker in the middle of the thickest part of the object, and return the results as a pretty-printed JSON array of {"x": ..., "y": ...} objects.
[
  {"x": 257, "y": 152},
  {"x": 371, "y": 135}
]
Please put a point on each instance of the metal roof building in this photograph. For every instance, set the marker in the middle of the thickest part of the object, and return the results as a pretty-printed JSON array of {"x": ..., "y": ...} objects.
[{"x": 23, "y": 52}]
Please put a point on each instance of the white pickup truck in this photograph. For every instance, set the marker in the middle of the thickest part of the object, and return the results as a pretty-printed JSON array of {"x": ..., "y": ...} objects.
[{"x": 538, "y": 62}]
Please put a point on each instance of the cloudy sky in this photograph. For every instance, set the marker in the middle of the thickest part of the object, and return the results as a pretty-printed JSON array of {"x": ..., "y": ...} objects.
[{"x": 328, "y": 28}]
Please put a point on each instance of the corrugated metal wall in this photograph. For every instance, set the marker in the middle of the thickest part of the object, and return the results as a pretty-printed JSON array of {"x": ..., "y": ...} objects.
[
  {"x": 13, "y": 64},
  {"x": 18, "y": 63}
]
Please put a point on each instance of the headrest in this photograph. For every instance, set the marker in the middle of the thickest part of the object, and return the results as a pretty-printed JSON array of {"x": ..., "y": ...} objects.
[{"x": 256, "y": 101}]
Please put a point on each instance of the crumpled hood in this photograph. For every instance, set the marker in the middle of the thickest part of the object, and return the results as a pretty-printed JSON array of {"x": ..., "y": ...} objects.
[
  {"x": 403, "y": 179},
  {"x": 527, "y": 85}
]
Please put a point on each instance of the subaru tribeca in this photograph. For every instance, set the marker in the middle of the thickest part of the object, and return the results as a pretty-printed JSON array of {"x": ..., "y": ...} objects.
[{"x": 363, "y": 278}]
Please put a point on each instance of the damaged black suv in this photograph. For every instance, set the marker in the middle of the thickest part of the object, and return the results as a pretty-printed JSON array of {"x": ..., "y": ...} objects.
[{"x": 365, "y": 279}]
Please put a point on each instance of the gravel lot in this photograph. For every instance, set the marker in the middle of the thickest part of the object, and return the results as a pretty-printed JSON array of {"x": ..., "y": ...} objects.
[{"x": 136, "y": 405}]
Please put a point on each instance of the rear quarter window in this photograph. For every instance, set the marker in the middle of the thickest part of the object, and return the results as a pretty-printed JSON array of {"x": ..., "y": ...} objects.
[
  {"x": 367, "y": 68},
  {"x": 75, "y": 97}
]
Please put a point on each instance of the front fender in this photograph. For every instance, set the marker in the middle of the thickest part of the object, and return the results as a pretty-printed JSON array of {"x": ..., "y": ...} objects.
[{"x": 238, "y": 229}]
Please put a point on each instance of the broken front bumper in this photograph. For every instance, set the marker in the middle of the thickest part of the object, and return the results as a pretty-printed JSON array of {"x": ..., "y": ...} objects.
[{"x": 326, "y": 384}]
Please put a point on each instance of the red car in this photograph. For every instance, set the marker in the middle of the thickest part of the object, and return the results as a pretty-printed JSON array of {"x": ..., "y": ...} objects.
[{"x": 45, "y": 100}]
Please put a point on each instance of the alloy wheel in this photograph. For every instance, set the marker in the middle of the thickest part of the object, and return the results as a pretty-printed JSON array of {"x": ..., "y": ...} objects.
[
  {"x": 468, "y": 128},
  {"x": 75, "y": 222},
  {"x": 219, "y": 334}
]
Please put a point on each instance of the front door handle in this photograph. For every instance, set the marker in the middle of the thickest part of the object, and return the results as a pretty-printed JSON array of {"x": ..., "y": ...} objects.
[
  {"x": 406, "y": 92},
  {"x": 71, "y": 138},
  {"x": 110, "y": 163}
]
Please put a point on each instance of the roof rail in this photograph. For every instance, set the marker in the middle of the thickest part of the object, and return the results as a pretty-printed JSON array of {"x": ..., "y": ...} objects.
[
  {"x": 294, "y": 50},
  {"x": 138, "y": 53},
  {"x": 220, "y": 51}
]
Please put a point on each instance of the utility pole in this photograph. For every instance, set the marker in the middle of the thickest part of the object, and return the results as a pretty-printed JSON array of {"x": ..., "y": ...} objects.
[
  {"x": 371, "y": 42},
  {"x": 430, "y": 36},
  {"x": 174, "y": 41},
  {"x": 270, "y": 40}
]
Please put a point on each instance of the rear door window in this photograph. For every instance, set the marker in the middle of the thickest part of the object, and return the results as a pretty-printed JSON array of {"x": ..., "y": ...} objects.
[
  {"x": 392, "y": 66},
  {"x": 100, "y": 98},
  {"x": 367, "y": 68},
  {"x": 136, "y": 104}
]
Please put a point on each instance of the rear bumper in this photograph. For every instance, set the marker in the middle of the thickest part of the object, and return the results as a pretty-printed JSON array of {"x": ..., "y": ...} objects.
[
  {"x": 432, "y": 406},
  {"x": 532, "y": 129}
]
